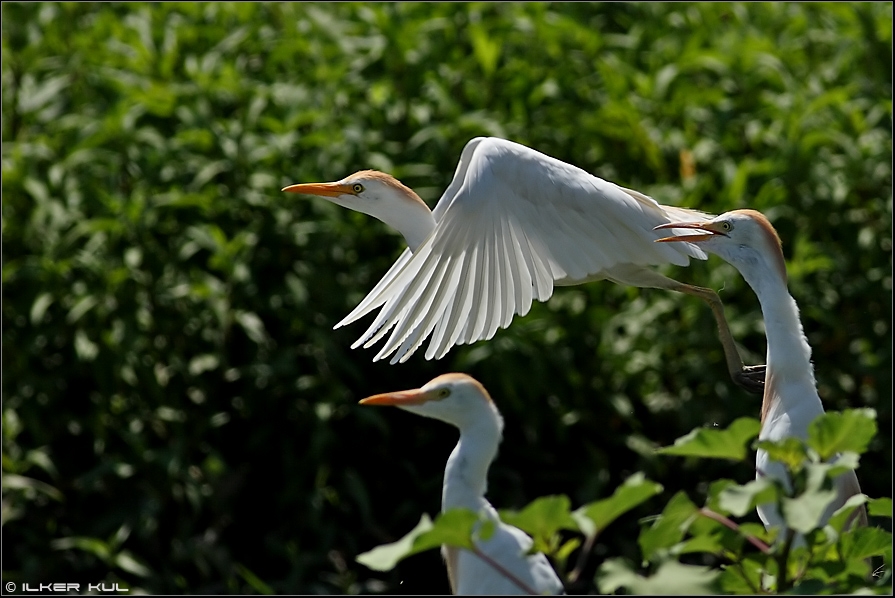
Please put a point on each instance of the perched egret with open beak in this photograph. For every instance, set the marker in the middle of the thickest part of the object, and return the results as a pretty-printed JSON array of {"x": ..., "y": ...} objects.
[
  {"x": 512, "y": 224},
  {"x": 746, "y": 240},
  {"x": 463, "y": 402}
]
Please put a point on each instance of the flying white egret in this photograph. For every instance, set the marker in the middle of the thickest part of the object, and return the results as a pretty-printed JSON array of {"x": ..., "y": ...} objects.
[
  {"x": 462, "y": 401},
  {"x": 512, "y": 224},
  {"x": 746, "y": 240}
]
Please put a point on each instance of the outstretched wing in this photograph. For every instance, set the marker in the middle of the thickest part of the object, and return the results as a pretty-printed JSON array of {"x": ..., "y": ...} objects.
[{"x": 511, "y": 225}]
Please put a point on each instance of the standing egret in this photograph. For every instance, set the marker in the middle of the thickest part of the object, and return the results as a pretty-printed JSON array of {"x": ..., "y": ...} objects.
[
  {"x": 512, "y": 224},
  {"x": 462, "y": 401},
  {"x": 746, "y": 240}
]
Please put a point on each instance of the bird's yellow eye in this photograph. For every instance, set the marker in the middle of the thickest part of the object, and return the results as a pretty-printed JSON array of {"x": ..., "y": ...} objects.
[
  {"x": 726, "y": 227},
  {"x": 443, "y": 393},
  {"x": 357, "y": 187}
]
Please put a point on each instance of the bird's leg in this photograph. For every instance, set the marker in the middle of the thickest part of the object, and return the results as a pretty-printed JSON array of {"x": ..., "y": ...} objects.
[{"x": 748, "y": 377}]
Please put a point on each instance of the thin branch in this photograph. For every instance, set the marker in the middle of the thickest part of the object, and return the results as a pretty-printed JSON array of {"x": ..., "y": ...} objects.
[
  {"x": 783, "y": 584},
  {"x": 503, "y": 571},
  {"x": 727, "y": 522},
  {"x": 582, "y": 558}
]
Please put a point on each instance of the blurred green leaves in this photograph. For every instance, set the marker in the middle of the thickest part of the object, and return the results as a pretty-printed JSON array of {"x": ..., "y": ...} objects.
[
  {"x": 812, "y": 549},
  {"x": 839, "y": 432},
  {"x": 730, "y": 443},
  {"x": 167, "y": 313}
]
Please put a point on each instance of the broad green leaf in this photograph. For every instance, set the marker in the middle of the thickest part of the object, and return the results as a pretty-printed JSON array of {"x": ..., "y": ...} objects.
[
  {"x": 670, "y": 578},
  {"x": 729, "y": 443},
  {"x": 791, "y": 452},
  {"x": 386, "y": 556},
  {"x": 543, "y": 517},
  {"x": 453, "y": 527},
  {"x": 745, "y": 578},
  {"x": 840, "y": 517},
  {"x": 836, "y": 432},
  {"x": 707, "y": 542},
  {"x": 834, "y": 572},
  {"x": 803, "y": 512},
  {"x": 864, "y": 542},
  {"x": 842, "y": 463},
  {"x": 596, "y": 516},
  {"x": 880, "y": 507},
  {"x": 669, "y": 528},
  {"x": 738, "y": 500}
]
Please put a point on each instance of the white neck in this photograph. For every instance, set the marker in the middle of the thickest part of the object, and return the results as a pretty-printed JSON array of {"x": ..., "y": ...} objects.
[
  {"x": 788, "y": 349},
  {"x": 466, "y": 473},
  {"x": 414, "y": 221},
  {"x": 790, "y": 388}
]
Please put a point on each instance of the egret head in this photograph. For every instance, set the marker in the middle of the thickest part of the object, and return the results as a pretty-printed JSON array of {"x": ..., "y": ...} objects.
[
  {"x": 457, "y": 399},
  {"x": 381, "y": 196},
  {"x": 744, "y": 238},
  {"x": 368, "y": 191}
]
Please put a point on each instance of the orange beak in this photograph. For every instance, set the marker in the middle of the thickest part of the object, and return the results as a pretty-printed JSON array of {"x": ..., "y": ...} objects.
[
  {"x": 398, "y": 399},
  {"x": 322, "y": 189},
  {"x": 710, "y": 229}
]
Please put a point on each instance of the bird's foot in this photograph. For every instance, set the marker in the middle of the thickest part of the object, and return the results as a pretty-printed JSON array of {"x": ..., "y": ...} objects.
[{"x": 751, "y": 378}]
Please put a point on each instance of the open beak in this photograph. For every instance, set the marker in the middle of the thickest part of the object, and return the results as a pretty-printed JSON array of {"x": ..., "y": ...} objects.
[
  {"x": 398, "y": 399},
  {"x": 322, "y": 189},
  {"x": 709, "y": 230}
]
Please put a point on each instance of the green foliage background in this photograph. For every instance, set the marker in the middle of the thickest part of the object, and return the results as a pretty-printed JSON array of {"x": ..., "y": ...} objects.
[{"x": 178, "y": 414}]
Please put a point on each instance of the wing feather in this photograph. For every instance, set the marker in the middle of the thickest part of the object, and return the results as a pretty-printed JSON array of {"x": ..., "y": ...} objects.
[
  {"x": 460, "y": 317},
  {"x": 420, "y": 303},
  {"x": 481, "y": 300},
  {"x": 507, "y": 251},
  {"x": 432, "y": 316},
  {"x": 375, "y": 298},
  {"x": 497, "y": 290},
  {"x": 512, "y": 224},
  {"x": 521, "y": 271},
  {"x": 420, "y": 294},
  {"x": 442, "y": 338},
  {"x": 534, "y": 259}
]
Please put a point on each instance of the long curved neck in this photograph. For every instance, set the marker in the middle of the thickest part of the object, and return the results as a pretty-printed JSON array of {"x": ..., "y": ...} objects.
[
  {"x": 414, "y": 220},
  {"x": 466, "y": 473},
  {"x": 790, "y": 383}
]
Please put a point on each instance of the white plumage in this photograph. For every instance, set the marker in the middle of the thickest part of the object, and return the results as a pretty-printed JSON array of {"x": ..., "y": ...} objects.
[
  {"x": 463, "y": 402},
  {"x": 512, "y": 224},
  {"x": 746, "y": 240}
]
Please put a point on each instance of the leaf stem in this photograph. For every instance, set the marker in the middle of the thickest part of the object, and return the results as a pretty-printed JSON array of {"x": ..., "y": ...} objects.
[
  {"x": 582, "y": 558},
  {"x": 705, "y": 512},
  {"x": 503, "y": 571},
  {"x": 783, "y": 584}
]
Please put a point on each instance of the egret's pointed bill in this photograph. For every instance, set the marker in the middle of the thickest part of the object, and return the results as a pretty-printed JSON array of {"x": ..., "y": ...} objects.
[
  {"x": 401, "y": 397},
  {"x": 321, "y": 189},
  {"x": 710, "y": 229}
]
